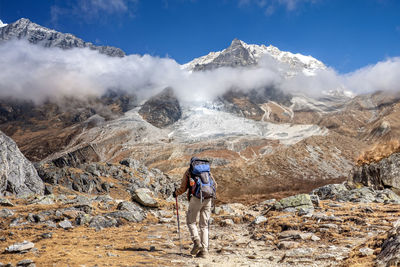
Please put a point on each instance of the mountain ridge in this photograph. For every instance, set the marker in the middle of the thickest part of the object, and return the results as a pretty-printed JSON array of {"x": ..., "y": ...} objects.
[{"x": 37, "y": 34}]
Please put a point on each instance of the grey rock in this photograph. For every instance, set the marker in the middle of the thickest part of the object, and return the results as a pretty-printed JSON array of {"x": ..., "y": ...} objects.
[
  {"x": 26, "y": 263},
  {"x": 143, "y": 197},
  {"x": 331, "y": 191},
  {"x": 288, "y": 245},
  {"x": 48, "y": 189},
  {"x": 131, "y": 216},
  {"x": 65, "y": 224},
  {"x": 99, "y": 222},
  {"x": 83, "y": 219},
  {"x": 6, "y": 203},
  {"x": 129, "y": 206},
  {"x": 20, "y": 247},
  {"x": 50, "y": 224},
  {"x": 45, "y": 200},
  {"x": 104, "y": 199},
  {"x": 227, "y": 222},
  {"x": 390, "y": 250},
  {"x": 379, "y": 175},
  {"x": 366, "y": 251},
  {"x": 47, "y": 235},
  {"x": 36, "y": 34},
  {"x": 297, "y": 202},
  {"x": 5, "y": 213},
  {"x": 17, "y": 175},
  {"x": 259, "y": 219},
  {"x": 305, "y": 211}
]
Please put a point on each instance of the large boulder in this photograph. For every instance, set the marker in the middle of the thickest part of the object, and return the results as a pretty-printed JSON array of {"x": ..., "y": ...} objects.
[
  {"x": 17, "y": 174},
  {"x": 301, "y": 201},
  {"x": 379, "y": 175},
  {"x": 390, "y": 250},
  {"x": 144, "y": 197}
]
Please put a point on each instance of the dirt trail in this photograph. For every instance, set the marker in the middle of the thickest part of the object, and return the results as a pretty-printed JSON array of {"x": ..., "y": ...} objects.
[{"x": 331, "y": 236}]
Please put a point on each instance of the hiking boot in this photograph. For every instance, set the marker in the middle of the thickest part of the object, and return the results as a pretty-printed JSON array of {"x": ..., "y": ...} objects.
[
  {"x": 202, "y": 254},
  {"x": 196, "y": 247}
]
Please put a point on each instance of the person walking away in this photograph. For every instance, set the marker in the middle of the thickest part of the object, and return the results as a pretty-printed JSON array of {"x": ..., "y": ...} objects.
[{"x": 201, "y": 188}]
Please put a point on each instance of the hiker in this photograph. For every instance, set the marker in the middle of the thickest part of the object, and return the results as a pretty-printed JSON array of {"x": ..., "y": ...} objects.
[{"x": 201, "y": 188}]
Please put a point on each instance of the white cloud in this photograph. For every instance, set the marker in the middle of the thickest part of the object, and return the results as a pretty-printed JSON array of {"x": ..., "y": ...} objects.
[{"x": 36, "y": 73}]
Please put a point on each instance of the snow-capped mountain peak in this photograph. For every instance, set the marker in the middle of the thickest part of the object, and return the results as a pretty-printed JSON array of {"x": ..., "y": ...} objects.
[
  {"x": 240, "y": 53},
  {"x": 2, "y": 24}
]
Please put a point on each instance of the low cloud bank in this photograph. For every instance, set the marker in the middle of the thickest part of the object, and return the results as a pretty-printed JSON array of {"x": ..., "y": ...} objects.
[{"x": 31, "y": 72}]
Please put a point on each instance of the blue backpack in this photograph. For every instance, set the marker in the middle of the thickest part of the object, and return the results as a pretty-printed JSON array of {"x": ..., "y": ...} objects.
[{"x": 202, "y": 184}]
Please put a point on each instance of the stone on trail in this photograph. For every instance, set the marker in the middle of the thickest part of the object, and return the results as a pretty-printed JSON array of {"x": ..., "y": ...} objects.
[
  {"x": 20, "y": 247},
  {"x": 143, "y": 197},
  {"x": 26, "y": 263},
  {"x": 297, "y": 202},
  {"x": 65, "y": 224},
  {"x": 6, "y": 203},
  {"x": 259, "y": 219},
  {"x": 4, "y": 213},
  {"x": 288, "y": 245}
]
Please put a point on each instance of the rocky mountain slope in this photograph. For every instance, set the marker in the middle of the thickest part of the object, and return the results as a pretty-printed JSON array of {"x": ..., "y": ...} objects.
[
  {"x": 36, "y": 34},
  {"x": 17, "y": 174}
]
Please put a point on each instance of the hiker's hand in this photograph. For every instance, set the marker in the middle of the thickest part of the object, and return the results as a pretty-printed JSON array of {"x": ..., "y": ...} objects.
[{"x": 174, "y": 194}]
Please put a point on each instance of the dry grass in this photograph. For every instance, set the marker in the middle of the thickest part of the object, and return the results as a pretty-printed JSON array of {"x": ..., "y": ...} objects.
[{"x": 379, "y": 152}]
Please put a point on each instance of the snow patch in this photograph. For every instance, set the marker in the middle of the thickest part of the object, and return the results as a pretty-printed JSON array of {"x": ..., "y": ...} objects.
[
  {"x": 202, "y": 123},
  {"x": 2, "y": 24}
]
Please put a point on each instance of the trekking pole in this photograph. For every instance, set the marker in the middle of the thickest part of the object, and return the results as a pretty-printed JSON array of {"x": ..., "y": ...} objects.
[{"x": 179, "y": 227}]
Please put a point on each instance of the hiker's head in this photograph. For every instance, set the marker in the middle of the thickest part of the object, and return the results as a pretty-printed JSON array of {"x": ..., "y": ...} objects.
[{"x": 193, "y": 159}]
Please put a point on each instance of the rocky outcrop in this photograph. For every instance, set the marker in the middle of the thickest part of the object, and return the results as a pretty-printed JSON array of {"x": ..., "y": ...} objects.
[
  {"x": 36, "y": 34},
  {"x": 162, "y": 110},
  {"x": 17, "y": 174},
  {"x": 390, "y": 250},
  {"x": 75, "y": 158},
  {"x": 344, "y": 193},
  {"x": 379, "y": 175}
]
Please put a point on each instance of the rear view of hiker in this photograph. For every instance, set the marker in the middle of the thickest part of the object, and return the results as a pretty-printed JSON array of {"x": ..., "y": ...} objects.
[{"x": 201, "y": 188}]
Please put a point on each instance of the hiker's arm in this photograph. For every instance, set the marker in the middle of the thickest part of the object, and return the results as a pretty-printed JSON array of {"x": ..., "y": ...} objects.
[{"x": 184, "y": 184}]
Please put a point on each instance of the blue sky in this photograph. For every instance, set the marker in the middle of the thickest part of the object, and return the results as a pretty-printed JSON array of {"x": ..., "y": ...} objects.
[{"x": 344, "y": 34}]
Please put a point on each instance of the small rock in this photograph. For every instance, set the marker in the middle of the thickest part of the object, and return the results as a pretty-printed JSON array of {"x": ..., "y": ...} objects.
[
  {"x": 6, "y": 203},
  {"x": 288, "y": 245},
  {"x": 4, "y": 213},
  {"x": 65, "y": 224},
  {"x": 48, "y": 189},
  {"x": 227, "y": 222},
  {"x": 50, "y": 224},
  {"x": 259, "y": 219},
  {"x": 47, "y": 235},
  {"x": 109, "y": 254},
  {"x": 20, "y": 247},
  {"x": 315, "y": 238},
  {"x": 366, "y": 251},
  {"x": 26, "y": 263}
]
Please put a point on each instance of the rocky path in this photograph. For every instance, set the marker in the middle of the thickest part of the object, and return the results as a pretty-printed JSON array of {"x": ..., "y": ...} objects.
[{"x": 97, "y": 231}]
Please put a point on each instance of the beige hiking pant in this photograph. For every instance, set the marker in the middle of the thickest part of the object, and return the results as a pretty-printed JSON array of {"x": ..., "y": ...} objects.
[{"x": 197, "y": 207}]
